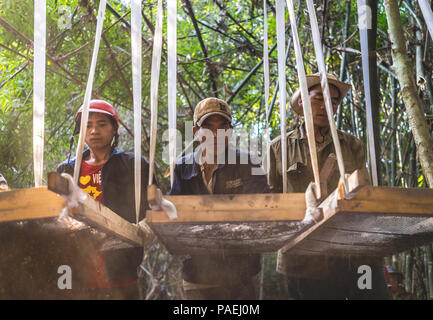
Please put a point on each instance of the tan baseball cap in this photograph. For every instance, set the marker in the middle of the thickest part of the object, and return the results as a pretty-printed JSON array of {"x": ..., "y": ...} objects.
[
  {"x": 314, "y": 79},
  {"x": 209, "y": 107}
]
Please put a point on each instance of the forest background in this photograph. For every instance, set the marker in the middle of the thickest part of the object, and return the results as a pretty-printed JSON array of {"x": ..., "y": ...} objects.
[{"x": 220, "y": 51}]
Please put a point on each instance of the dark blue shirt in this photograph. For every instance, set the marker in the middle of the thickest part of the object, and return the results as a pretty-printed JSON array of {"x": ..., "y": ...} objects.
[{"x": 228, "y": 178}]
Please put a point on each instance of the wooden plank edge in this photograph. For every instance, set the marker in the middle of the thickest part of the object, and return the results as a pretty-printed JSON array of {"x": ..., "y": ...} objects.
[
  {"x": 57, "y": 183},
  {"x": 6, "y": 216},
  {"x": 101, "y": 217},
  {"x": 389, "y": 208},
  {"x": 97, "y": 215},
  {"x": 220, "y": 216}
]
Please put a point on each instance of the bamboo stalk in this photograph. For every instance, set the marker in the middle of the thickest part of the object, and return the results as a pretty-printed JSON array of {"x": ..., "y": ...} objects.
[
  {"x": 117, "y": 66},
  {"x": 218, "y": 31},
  {"x": 244, "y": 81},
  {"x": 414, "y": 274},
  {"x": 426, "y": 280},
  {"x": 428, "y": 80},
  {"x": 429, "y": 258},
  {"x": 408, "y": 271},
  {"x": 394, "y": 262},
  {"x": 412, "y": 165},
  {"x": 222, "y": 8},
  {"x": 400, "y": 158},
  {"x": 428, "y": 15},
  {"x": 274, "y": 97},
  {"x": 403, "y": 70},
  {"x": 14, "y": 75},
  {"x": 371, "y": 88},
  {"x": 262, "y": 277},
  {"x": 277, "y": 86},
  {"x": 402, "y": 262},
  {"x": 421, "y": 80},
  {"x": 212, "y": 75},
  {"x": 343, "y": 59},
  {"x": 354, "y": 95}
]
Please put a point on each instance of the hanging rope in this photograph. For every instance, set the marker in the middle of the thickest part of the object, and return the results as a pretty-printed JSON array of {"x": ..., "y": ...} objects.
[
  {"x": 266, "y": 76},
  {"x": 428, "y": 15},
  {"x": 266, "y": 59},
  {"x": 39, "y": 89},
  {"x": 136, "y": 92},
  {"x": 282, "y": 85},
  {"x": 156, "y": 64},
  {"x": 156, "y": 200},
  {"x": 89, "y": 87},
  {"x": 325, "y": 88},
  {"x": 172, "y": 72},
  {"x": 308, "y": 116}
]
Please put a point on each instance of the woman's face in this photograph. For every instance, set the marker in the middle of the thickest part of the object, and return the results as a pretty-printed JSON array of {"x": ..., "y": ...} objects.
[{"x": 100, "y": 131}]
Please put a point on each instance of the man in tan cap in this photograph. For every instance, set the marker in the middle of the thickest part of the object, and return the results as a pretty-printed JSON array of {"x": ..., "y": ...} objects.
[
  {"x": 211, "y": 170},
  {"x": 321, "y": 277}
]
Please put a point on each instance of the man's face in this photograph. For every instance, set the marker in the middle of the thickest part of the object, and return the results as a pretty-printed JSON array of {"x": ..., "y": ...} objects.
[
  {"x": 100, "y": 131},
  {"x": 318, "y": 108},
  {"x": 214, "y": 127}
]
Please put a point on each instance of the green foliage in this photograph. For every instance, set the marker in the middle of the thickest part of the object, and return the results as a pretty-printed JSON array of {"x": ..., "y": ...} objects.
[{"x": 232, "y": 33}]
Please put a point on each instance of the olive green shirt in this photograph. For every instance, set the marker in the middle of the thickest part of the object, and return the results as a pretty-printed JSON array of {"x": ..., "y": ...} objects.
[
  {"x": 299, "y": 176},
  {"x": 299, "y": 169}
]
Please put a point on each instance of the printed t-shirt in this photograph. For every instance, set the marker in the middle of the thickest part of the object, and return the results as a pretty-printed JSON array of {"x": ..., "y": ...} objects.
[{"x": 90, "y": 180}]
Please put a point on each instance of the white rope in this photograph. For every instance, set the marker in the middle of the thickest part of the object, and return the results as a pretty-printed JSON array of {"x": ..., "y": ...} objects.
[
  {"x": 156, "y": 64},
  {"x": 172, "y": 72},
  {"x": 267, "y": 160},
  {"x": 428, "y": 15},
  {"x": 39, "y": 89},
  {"x": 266, "y": 76},
  {"x": 325, "y": 88},
  {"x": 88, "y": 94},
  {"x": 75, "y": 197},
  {"x": 312, "y": 211},
  {"x": 159, "y": 203},
  {"x": 136, "y": 91},
  {"x": 308, "y": 116},
  {"x": 266, "y": 59},
  {"x": 282, "y": 84}
]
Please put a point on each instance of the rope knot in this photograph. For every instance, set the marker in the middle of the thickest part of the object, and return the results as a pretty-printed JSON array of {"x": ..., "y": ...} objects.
[{"x": 312, "y": 212}]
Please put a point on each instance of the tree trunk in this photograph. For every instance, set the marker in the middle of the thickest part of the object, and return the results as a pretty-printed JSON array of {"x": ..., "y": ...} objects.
[{"x": 404, "y": 71}]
